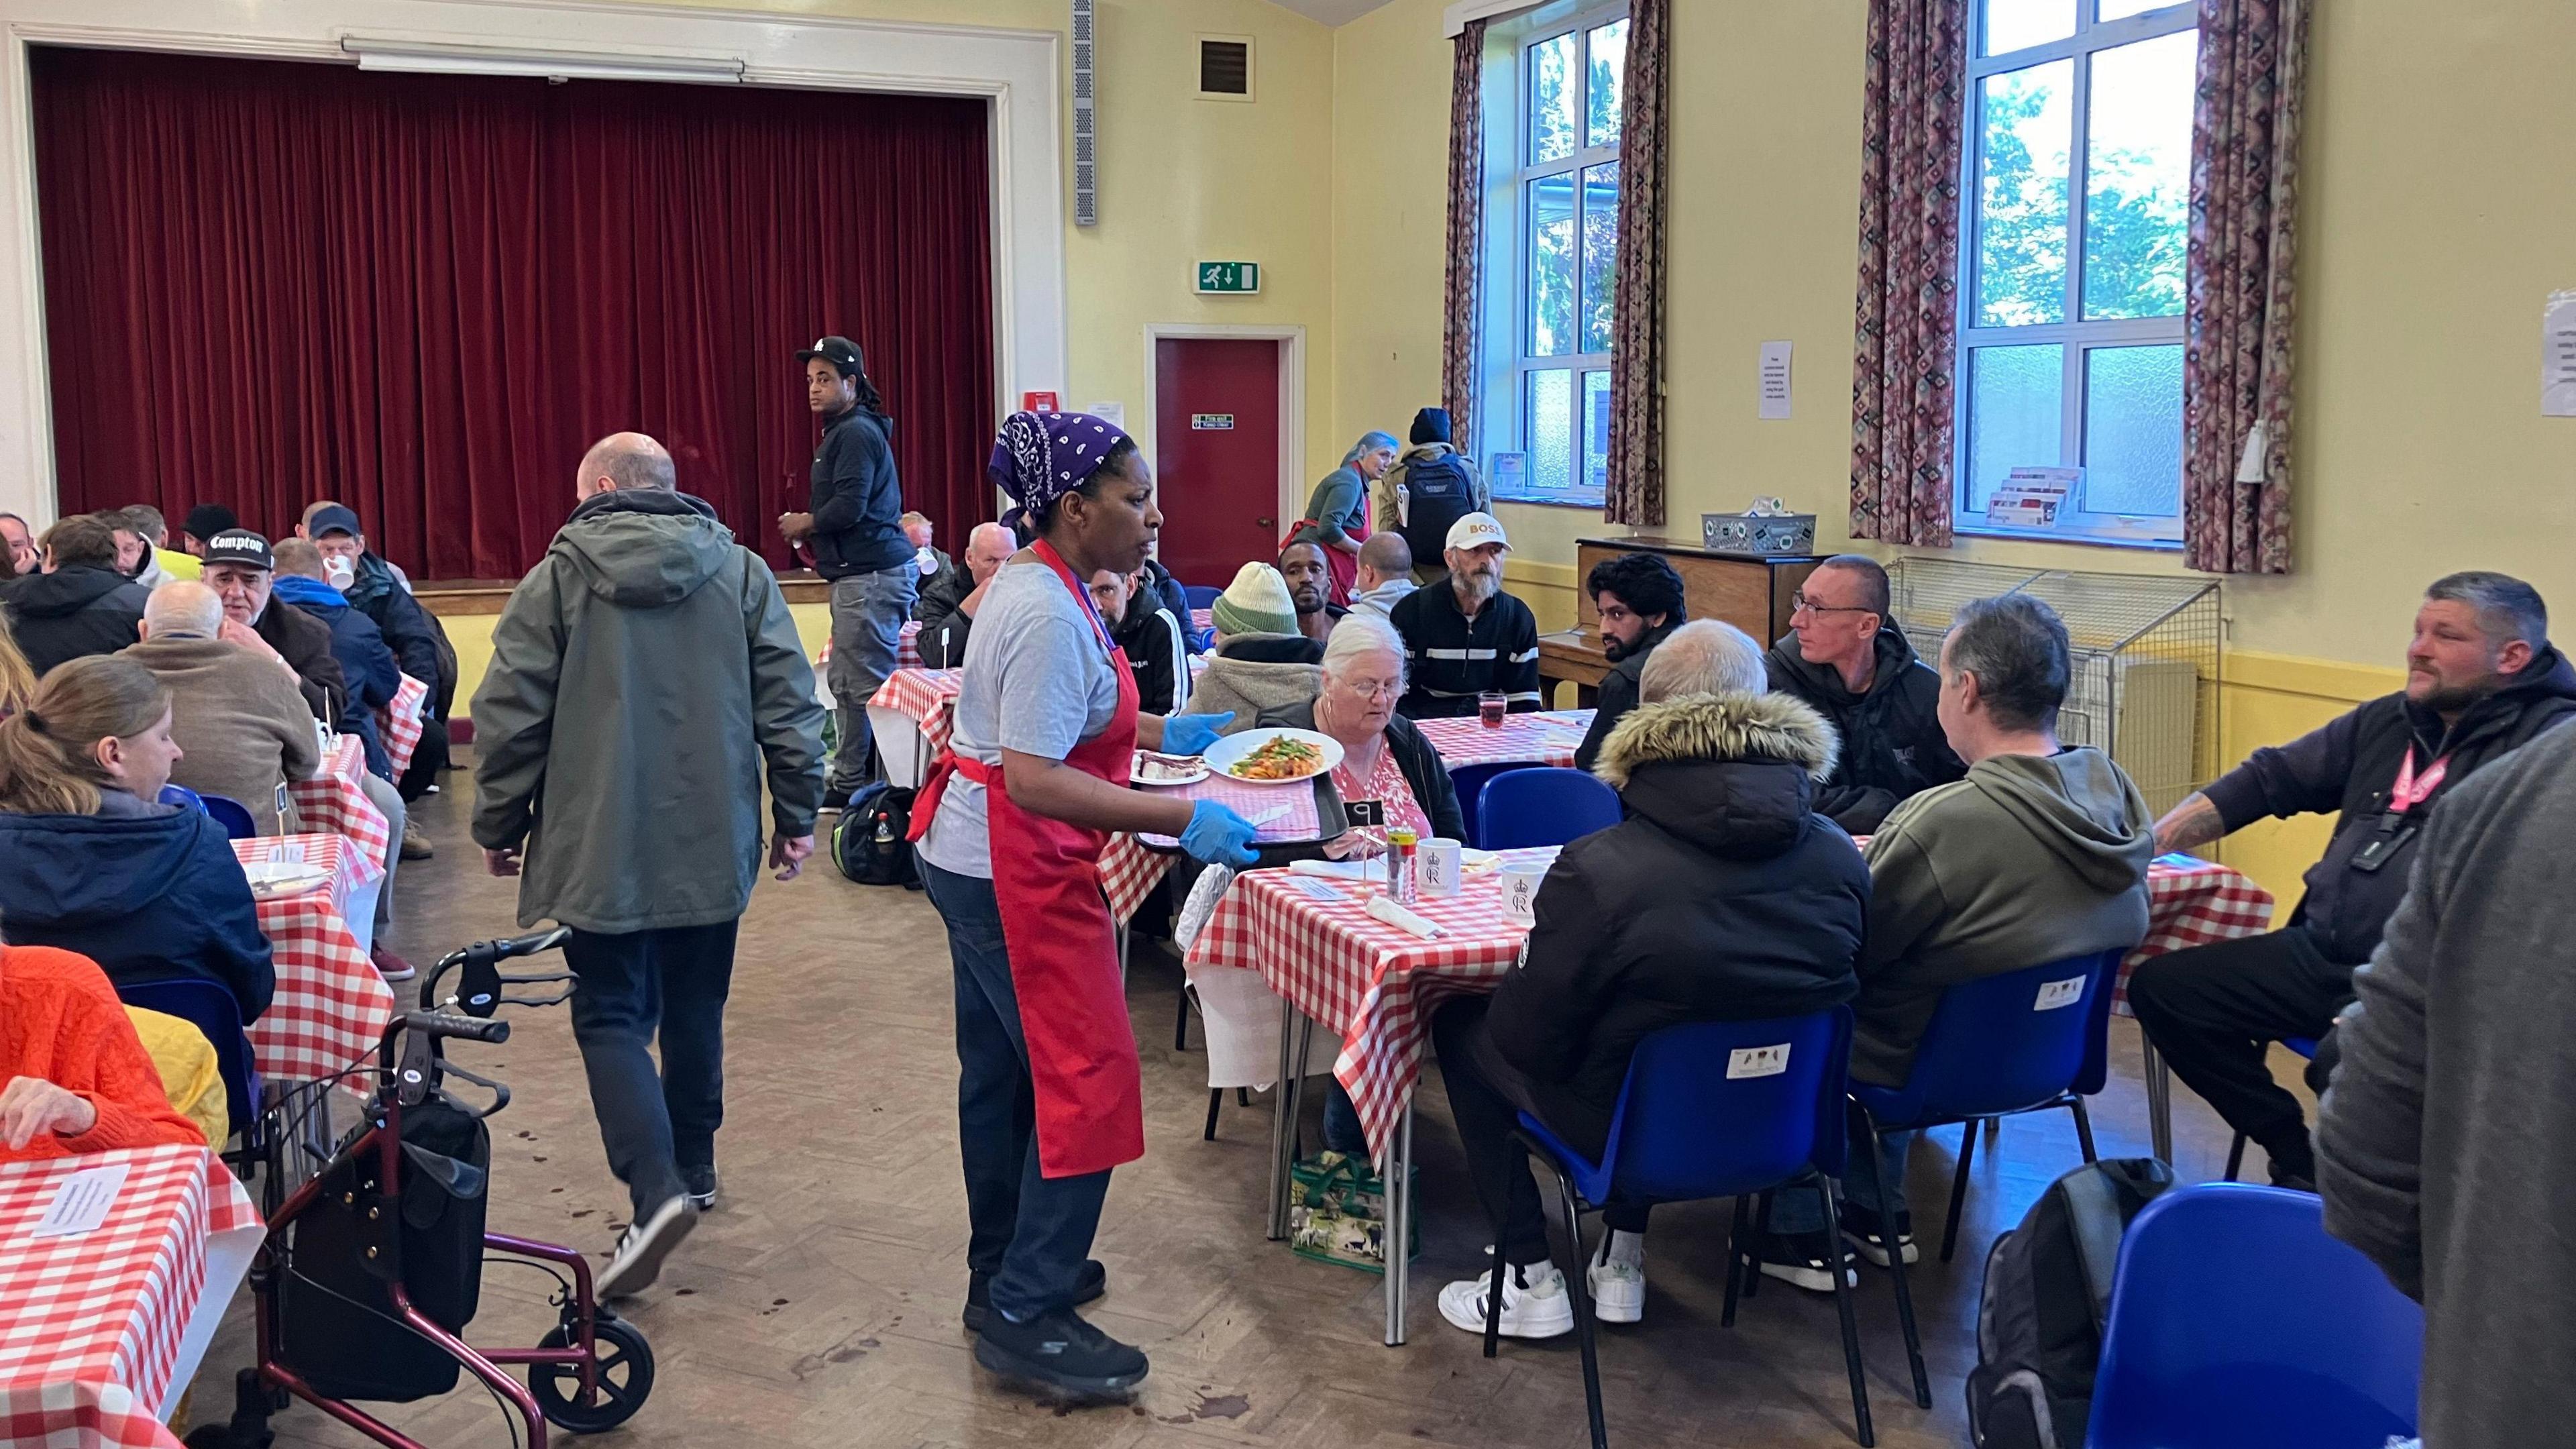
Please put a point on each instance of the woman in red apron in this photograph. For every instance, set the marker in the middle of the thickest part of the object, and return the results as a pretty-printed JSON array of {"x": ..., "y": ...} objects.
[
  {"x": 1009, "y": 831},
  {"x": 1337, "y": 511}
]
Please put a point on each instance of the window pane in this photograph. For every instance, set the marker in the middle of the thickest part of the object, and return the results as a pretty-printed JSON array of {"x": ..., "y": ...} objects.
[
  {"x": 1609, "y": 74},
  {"x": 2119, "y": 9},
  {"x": 2137, "y": 177},
  {"x": 2014, "y": 407},
  {"x": 1553, "y": 97},
  {"x": 1596, "y": 431},
  {"x": 2012, "y": 24},
  {"x": 2133, "y": 431},
  {"x": 1551, "y": 266},
  {"x": 1551, "y": 431},
  {"x": 1600, "y": 252},
  {"x": 2026, "y": 121}
]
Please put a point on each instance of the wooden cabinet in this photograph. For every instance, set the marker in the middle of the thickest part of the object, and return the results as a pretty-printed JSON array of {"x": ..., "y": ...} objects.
[{"x": 1751, "y": 592}]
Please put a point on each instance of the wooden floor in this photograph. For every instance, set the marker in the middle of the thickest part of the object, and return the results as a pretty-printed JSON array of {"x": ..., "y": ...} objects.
[{"x": 818, "y": 1304}]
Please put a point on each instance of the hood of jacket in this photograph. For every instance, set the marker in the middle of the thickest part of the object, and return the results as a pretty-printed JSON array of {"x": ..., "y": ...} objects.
[
  {"x": 1734, "y": 774},
  {"x": 1267, "y": 679},
  {"x": 2083, "y": 806},
  {"x": 67, "y": 590},
  {"x": 1385, "y": 596},
  {"x": 1825, "y": 682},
  {"x": 645, "y": 548},
  {"x": 76, "y": 871},
  {"x": 311, "y": 595}
]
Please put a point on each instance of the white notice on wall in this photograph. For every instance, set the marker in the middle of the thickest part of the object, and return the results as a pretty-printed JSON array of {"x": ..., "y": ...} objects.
[
  {"x": 1112, "y": 413},
  {"x": 1775, "y": 380},
  {"x": 2558, "y": 356}
]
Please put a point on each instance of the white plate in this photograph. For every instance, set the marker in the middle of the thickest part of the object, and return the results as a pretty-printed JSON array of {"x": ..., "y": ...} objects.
[
  {"x": 1222, "y": 755},
  {"x": 284, "y": 877},
  {"x": 1136, "y": 772}
]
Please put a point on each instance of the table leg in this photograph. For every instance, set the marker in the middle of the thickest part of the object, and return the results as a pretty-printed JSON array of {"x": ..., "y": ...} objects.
[
  {"x": 2159, "y": 1099},
  {"x": 1398, "y": 1177},
  {"x": 1296, "y": 1040}
]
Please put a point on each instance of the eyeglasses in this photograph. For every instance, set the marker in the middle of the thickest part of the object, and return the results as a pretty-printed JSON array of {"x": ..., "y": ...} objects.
[
  {"x": 1374, "y": 688},
  {"x": 1799, "y": 601}
]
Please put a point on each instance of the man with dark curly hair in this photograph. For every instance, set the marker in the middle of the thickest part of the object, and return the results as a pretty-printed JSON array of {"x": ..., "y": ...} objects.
[{"x": 1639, "y": 599}]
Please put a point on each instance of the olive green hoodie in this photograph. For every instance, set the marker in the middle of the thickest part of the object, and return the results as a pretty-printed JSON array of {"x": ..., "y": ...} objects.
[{"x": 2029, "y": 859}]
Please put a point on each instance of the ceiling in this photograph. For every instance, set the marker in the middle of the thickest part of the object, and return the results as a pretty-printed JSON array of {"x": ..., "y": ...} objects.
[{"x": 1331, "y": 12}]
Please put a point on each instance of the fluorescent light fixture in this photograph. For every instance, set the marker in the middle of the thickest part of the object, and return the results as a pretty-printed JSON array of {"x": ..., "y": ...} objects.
[{"x": 432, "y": 57}]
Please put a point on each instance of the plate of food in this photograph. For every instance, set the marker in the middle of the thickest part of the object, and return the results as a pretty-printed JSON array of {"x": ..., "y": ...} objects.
[
  {"x": 1274, "y": 756},
  {"x": 1153, "y": 768}
]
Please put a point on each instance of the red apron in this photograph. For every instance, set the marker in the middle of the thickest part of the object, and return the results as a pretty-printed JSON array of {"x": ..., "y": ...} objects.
[{"x": 1063, "y": 945}]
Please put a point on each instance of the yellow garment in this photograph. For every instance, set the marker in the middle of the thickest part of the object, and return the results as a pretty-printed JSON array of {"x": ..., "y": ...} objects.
[
  {"x": 179, "y": 565},
  {"x": 189, "y": 1072}
]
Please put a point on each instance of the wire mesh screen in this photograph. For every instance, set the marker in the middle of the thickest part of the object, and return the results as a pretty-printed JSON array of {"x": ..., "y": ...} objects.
[{"x": 2144, "y": 685}]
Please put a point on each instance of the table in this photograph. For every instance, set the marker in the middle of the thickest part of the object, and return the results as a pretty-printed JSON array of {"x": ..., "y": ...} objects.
[
  {"x": 1548, "y": 737},
  {"x": 2190, "y": 902},
  {"x": 402, "y": 721},
  {"x": 105, "y": 1329},
  {"x": 333, "y": 801},
  {"x": 1201, "y": 621},
  {"x": 331, "y": 1007}
]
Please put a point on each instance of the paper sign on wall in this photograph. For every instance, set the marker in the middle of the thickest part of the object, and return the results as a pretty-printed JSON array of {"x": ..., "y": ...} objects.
[
  {"x": 1775, "y": 381},
  {"x": 2558, "y": 356},
  {"x": 1112, "y": 413}
]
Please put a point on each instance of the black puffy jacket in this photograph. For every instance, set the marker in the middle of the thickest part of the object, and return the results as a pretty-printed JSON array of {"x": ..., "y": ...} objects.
[
  {"x": 1722, "y": 897},
  {"x": 1892, "y": 745},
  {"x": 74, "y": 611}
]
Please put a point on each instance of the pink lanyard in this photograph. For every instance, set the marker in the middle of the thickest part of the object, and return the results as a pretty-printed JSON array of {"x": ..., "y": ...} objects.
[{"x": 2409, "y": 791}]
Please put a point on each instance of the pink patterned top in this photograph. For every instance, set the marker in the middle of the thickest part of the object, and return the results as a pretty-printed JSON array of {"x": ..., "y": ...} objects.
[{"x": 1385, "y": 783}]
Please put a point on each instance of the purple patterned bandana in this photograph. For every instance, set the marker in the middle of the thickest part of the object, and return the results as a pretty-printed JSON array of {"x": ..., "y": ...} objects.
[{"x": 1039, "y": 457}]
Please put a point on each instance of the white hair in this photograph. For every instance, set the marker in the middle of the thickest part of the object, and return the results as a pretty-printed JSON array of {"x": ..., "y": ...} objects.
[
  {"x": 1358, "y": 634},
  {"x": 184, "y": 607},
  {"x": 1704, "y": 656}
]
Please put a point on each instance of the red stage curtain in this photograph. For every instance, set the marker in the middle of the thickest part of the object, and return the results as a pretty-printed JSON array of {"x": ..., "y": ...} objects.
[{"x": 271, "y": 282}]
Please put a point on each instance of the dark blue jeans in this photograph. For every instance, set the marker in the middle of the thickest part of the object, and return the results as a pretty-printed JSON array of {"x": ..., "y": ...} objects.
[
  {"x": 1027, "y": 1233},
  {"x": 628, "y": 988}
]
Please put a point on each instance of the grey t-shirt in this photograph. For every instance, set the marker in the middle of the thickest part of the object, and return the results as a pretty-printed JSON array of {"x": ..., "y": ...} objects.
[{"x": 1037, "y": 681}]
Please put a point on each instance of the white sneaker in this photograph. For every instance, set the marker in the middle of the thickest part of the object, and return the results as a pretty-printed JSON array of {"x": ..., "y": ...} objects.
[
  {"x": 1535, "y": 1303},
  {"x": 643, "y": 1246},
  {"x": 1618, "y": 1290}
]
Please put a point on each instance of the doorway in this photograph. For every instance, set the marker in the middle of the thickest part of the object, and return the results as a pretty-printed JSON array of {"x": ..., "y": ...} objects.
[{"x": 1228, "y": 417}]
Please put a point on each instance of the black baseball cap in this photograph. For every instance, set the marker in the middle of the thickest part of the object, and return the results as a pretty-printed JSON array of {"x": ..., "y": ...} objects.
[
  {"x": 334, "y": 519},
  {"x": 841, "y": 352},
  {"x": 208, "y": 519},
  {"x": 241, "y": 546}
]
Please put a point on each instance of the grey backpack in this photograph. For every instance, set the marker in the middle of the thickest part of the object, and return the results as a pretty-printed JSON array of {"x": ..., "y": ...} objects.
[{"x": 2046, "y": 1297}]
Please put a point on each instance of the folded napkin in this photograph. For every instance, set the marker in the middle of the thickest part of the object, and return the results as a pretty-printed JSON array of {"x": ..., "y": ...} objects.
[
  {"x": 1403, "y": 920},
  {"x": 1339, "y": 869}
]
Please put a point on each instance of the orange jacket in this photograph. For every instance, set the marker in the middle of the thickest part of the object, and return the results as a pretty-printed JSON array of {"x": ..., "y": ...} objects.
[{"x": 61, "y": 1021}]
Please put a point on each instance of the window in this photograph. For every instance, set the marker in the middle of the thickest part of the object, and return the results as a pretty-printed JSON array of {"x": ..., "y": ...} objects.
[
  {"x": 1555, "y": 202},
  {"x": 2074, "y": 228}
]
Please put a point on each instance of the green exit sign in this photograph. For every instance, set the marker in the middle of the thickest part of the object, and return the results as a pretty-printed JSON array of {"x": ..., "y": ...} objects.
[{"x": 1229, "y": 276}]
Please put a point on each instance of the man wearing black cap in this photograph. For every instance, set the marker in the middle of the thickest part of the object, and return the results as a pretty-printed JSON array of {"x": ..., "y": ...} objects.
[
  {"x": 1430, "y": 488},
  {"x": 203, "y": 522},
  {"x": 240, "y": 569},
  {"x": 377, "y": 589},
  {"x": 854, "y": 528}
]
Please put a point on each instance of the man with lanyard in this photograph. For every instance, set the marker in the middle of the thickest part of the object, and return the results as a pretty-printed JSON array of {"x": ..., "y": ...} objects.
[
  {"x": 2481, "y": 678},
  {"x": 1010, "y": 829}
]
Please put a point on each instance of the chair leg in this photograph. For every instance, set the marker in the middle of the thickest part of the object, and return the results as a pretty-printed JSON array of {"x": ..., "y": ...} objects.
[
  {"x": 1243, "y": 1096},
  {"x": 2083, "y": 1127},
  {"x": 1959, "y": 1189},
  {"x": 1753, "y": 1245},
  {"x": 1851, "y": 1325},
  {"x": 1181, "y": 1026},
  {"x": 1896, "y": 1266},
  {"x": 1583, "y": 1325},
  {"x": 1494, "y": 1296},
  {"x": 1738, "y": 1241},
  {"x": 2235, "y": 1156},
  {"x": 1216, "y": 1099}
]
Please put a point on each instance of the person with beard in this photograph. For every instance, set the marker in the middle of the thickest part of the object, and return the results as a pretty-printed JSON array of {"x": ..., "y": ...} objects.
[
  {"x": 1845, "y": 656},
  {"x": 2481, "y": 679},
  {"x": 1465, "y": 636},
  {"x": 1639, "y": 599},
  {"x": 1262, "y": 670},
  {"x": 1304, "y": 567}
]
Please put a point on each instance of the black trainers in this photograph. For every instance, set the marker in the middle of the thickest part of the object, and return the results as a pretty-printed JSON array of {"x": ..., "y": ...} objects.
[
  {"x": 643, "y": 1246},
  {"x": 698, "y": 1185},
  {"x": 1062, "y": 1352},
  {"x": 836, "y": 798},
  {"x": 1089, "y": 1284},
  {"x": 1860, "y": 1229},
  {"x": 1798, "y": 1259}
]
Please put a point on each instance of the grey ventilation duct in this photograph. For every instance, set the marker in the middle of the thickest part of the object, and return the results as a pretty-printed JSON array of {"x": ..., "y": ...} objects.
[{"x": 1086, "y": 123}]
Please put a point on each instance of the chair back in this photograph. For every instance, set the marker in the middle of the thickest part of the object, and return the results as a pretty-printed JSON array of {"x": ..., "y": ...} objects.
[
  {"x": 231, "y": 814},
  {"x": 2235, "y": 1320},
  {"x": 1542, "y": 805},
  {"x": 183, "y": 797},
  {"x": 1200, "y": 596},
  {"x": 209, "y": 1007},
  {"x": 1469, "y": 782},
  {"x": 2004, "y": 1043}
]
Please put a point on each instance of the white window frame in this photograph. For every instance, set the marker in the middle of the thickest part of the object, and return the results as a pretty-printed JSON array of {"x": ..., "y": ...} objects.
[
  {"x": 2078, "y": 337},
  {"x": 1503, "y": 421}
]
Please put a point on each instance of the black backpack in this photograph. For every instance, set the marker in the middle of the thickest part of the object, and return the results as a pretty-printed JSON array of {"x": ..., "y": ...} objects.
[
  {"x": 1436, "y": 494},
  {"x": 869, "y": 844},
  {"x": 2046, "y": 1298}
]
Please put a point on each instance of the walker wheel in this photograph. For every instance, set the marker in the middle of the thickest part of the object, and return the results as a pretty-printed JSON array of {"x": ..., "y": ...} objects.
[{"x": 625, "y": 1377}]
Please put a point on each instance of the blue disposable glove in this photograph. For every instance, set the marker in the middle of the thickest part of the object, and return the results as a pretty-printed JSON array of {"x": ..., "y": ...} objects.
[
  {"x": 1190, "y": 734},
  {"x": 1219, "y": 836}
]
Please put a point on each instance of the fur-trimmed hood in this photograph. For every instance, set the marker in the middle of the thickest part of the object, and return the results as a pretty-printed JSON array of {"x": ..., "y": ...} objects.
[{"x": 1735, "y": 774}]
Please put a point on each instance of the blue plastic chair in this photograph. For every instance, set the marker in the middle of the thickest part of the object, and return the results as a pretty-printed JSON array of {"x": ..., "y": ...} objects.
[
  {"x": 211, "y": 1008},
  {"x": 1683, "y": 1129},
  {"x": 2235, "y": 1321},
  {"x": 1200, "y": 595},
  {"x": 1542, "y": 805},
  {"x": 183, "y": 796},
  {"x": 2305, "y": 1046},
  {"x": 1469, "y": 782},
  {"x": 232, "y": 815}
]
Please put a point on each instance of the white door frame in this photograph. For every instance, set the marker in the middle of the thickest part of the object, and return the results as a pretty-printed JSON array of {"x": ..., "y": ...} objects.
[
  {"x": 1293, "y": 482},
  {"x": 1015, "y": 71}
]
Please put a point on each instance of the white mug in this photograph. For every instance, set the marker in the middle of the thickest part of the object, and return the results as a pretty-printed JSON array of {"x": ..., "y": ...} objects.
[
  {"x": 1520, "y": 893},
  {"x": 1440, "y": 866}
]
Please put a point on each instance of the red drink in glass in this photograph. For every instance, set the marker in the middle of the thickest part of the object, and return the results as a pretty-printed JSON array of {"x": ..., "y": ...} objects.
[{"x": 1490, "y": 707}]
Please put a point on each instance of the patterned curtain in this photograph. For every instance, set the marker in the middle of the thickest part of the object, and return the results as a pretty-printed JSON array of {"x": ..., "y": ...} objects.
[
  {"x": 1634, "y": 493},
  {"x": 1907, "y": 328},
  {"x": 2242, "y": 291},
  {"x": 1465, "y": 292}
]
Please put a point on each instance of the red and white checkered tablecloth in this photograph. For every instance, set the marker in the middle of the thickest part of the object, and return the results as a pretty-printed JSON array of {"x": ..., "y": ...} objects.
[
  {"x": 400, "y": 723},
  {"x": 1375, "y": 985},
  {"x": 1129, "y": 872},
  {"x": 331, "y": 1007},
  {"x": 1202, "y": 620},
  {"x": 1545, "y": 738},
  {"x": 94, "y": 1322},
  {"x": 332, "y": 801},
  {"x": 1249, "y": 800},
  {"x": 923, "y": 696}
]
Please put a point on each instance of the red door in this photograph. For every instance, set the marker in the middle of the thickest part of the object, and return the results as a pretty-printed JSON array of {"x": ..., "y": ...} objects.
[{"x": 1216, "y": 430}]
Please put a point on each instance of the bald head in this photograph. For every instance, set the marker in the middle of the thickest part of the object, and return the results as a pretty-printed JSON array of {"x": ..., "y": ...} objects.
[
  {"x": 625, "y": 460},
  {"x": 988, "y": 548},
  {"x": 183, "y": 609}
]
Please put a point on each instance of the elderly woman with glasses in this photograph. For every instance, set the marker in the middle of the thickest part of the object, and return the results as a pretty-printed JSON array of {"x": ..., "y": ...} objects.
[{"x": 1384, "y": 757}]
